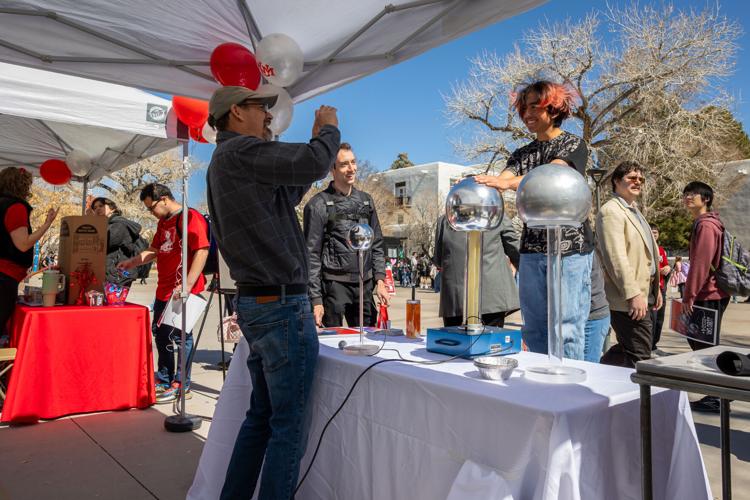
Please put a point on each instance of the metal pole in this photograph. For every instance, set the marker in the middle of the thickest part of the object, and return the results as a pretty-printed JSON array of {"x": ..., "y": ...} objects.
[
  {"x": 646, "y": 481},
  {"x": 85, "y": 194},
  {"x": 726, "y": 451},
  {"x": 183, "y": 422},
  {"x": 555, "y": 342},
  {"x": 361, "y": 299},
  {"x": 184, "y": 291}
]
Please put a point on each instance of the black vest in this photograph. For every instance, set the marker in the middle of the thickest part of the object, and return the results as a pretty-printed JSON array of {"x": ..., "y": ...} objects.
[{"x": 8, "y": 250}]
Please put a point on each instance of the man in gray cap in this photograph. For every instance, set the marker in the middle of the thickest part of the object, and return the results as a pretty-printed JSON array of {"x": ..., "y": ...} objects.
[{"x": 254, "y": 185}]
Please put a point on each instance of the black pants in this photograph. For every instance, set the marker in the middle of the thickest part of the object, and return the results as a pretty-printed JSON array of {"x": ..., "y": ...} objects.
[
  {"x": 341, "y": 300},
  {"x": 489, "y": 319},
  {"x": 716, "y": 305},
  {"x": 165, "y": 338},
  {"x": 633, "y": 340},
  {"x": 657, "y": 319},
  {"x": 8, "y": 297}
]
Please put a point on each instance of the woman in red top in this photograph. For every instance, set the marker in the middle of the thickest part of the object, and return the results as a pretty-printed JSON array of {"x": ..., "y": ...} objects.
[{"x": 16, "y": 237}]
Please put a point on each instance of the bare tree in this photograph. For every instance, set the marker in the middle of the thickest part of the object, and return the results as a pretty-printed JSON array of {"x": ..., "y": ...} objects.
[
  {"x": 124, "y": 186},
  {"x": 647, "y": 94},
  {"x": 45, "y": 196},
  {"x": 421, "y": 219}
]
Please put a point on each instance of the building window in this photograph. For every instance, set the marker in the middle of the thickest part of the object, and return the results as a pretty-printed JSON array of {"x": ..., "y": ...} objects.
[
  {"x": 402, "y": 197},
  {"x": 400, "y": 218}
]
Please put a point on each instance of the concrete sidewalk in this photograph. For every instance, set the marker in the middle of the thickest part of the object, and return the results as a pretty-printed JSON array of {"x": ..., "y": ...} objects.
[{"x": 129, "y": 455}]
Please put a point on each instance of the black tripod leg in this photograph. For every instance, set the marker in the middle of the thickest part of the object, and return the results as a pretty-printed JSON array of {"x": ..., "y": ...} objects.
[
  {"x": 214, "y": 283},
  {"x": 221, "y": 336}
]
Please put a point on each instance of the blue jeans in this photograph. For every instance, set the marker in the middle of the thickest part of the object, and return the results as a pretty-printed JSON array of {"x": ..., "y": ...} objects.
[
  {"x": 166, "y": 338},
  {"x": 283, "y": 353},
  {"x": 576, "y": 301},
  {"x": 596, "y": 331}
]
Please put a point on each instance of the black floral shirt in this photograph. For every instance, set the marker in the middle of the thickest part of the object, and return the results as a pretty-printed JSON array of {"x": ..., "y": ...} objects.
[{"x": 572, "y": 150}]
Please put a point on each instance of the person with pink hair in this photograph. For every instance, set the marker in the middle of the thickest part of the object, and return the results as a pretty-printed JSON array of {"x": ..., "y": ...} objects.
[{"x": 543, "y": 106}]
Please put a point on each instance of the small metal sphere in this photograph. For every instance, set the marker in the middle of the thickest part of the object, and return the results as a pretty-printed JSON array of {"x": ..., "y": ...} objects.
[
  {"x": 553, "y": 195},
  {"x": 360, "y": 237},
  {"x": 471, "y": 206}
]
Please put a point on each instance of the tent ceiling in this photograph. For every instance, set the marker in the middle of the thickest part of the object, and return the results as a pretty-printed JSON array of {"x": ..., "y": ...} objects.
[
  {"x": 165, "y": 45},
  {"x": 46, "y": 115}
]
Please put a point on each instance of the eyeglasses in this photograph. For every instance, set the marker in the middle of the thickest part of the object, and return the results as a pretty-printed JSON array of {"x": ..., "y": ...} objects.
[
  {"x": 254, "y": 104},
  {"x": 689, "y": 195},
  {"x": 638, "y": 178},
  {"x": 152, "y": 207}
]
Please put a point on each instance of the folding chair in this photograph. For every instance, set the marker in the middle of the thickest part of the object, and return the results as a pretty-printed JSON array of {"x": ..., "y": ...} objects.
[{"x": 7, "y": 357}]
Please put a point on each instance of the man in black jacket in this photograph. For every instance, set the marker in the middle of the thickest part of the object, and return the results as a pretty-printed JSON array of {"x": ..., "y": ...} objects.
[{"x": 334, "y": 267}]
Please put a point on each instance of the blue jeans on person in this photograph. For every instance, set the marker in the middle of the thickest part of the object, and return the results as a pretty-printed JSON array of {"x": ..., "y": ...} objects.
[
  {"x": 576, "y": 301},
  {"x": 166, "y": 338},
  {"x": 596, "y": 331},
  {"x": 283, "y": 354}
]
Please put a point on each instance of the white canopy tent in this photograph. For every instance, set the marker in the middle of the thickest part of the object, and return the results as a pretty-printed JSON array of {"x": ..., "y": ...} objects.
[
  {"x": 165, "y": 45},
  {"x": 45, "y": 115}
]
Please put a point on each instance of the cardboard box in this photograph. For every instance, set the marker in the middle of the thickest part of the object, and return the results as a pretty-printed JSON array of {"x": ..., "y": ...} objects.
[{"x": 83, "y": 240}]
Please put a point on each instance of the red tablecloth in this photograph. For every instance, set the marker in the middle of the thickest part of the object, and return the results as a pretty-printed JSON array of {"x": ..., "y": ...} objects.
[{"x": 78, "y": 359}]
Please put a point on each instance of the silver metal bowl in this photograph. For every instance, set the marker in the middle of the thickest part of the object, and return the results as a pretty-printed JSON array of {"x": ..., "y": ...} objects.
[{"x": 495, "y": 367}]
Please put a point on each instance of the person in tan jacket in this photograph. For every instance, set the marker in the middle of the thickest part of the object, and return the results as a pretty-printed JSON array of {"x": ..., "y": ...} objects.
[{"x": 629, "y": 257}]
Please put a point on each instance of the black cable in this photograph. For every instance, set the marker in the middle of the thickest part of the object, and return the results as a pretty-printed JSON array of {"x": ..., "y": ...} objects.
[{"x": 359, "y": 377}]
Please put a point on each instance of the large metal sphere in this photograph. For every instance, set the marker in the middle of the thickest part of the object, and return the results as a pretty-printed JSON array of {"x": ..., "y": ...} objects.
[
  {"x": 471, "y": 206},
  {"x": 360, "y": 237},
  {"x": 553, "y": 195}
]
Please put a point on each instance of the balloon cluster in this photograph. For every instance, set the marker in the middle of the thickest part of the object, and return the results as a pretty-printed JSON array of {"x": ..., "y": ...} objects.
[{"x": 278, "y": 59}]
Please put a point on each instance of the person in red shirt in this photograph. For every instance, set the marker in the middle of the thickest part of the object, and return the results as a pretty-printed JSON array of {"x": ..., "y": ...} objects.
[
  {"x": 657, "y": 317},
  {"x": 166, "y": 249},
  {"x": 17, "y": 240}
]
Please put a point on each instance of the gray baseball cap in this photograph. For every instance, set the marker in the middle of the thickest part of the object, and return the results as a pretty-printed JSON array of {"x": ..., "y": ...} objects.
[{"x": 224, "y": 97}]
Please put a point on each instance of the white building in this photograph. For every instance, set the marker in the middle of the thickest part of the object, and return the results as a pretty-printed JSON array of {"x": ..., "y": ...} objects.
[{"x": 419, "y": 192}]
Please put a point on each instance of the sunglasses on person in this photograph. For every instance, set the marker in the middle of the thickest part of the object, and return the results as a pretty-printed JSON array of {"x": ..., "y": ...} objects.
[
  {"x": 254, "y": 104},
  {"x": 633, "y": 178}
]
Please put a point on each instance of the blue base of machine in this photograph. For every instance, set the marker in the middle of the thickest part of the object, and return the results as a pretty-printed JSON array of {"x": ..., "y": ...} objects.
[{"x": 458, "y": 341}]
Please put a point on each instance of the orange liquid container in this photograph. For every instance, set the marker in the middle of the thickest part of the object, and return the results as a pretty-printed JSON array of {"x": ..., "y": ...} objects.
[{"x": 413, "y": 318}]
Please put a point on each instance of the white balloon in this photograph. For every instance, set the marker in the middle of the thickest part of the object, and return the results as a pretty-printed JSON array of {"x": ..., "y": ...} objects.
[
  {"x": 282, "y": 111},
  {"x": 280, "y": 59},
  {"x": 78, "y": 162},
  {"x": 208, "y": 133}
]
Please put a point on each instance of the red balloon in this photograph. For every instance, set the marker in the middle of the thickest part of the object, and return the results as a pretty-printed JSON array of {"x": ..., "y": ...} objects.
[
  {"x": 196, "y": 134},
  {"x": 234, "y": 64},
  {"x": 191, "y": 112},
  {"x": 55, "y": 172}
]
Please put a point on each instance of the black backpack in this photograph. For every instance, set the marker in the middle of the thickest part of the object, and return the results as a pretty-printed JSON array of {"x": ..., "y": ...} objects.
[
  {"x": 212, "y": 262},
  {"x": 733, "y": 274}
]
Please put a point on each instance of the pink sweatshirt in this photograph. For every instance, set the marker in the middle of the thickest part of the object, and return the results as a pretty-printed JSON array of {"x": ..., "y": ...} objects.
[{"x": 705, "y": 251}]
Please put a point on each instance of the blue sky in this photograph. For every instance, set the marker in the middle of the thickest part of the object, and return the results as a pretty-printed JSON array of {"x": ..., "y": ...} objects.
[{"x": 400, "y": 109}]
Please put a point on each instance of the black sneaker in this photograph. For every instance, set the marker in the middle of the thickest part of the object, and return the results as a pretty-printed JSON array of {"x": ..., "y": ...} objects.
[{"x": 709, "y": 404}]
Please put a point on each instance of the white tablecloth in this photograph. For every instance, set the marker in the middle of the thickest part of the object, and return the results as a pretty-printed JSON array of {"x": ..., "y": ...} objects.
[{"x": 408, "y": 430}]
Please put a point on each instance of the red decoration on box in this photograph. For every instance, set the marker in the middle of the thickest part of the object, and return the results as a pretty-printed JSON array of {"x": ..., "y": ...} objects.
[{"x": 84, "y": 277}]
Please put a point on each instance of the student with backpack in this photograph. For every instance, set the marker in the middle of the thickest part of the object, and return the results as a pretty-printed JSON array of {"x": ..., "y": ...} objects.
[
  {"x": 701, "y": 288},
  {"x": 166, "y": 248}
]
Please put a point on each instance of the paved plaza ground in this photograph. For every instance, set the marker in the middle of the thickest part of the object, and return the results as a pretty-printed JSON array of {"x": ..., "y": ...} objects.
[{"x": 128, "y": 455}]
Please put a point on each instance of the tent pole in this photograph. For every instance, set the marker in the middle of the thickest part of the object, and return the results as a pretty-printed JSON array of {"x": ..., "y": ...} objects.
[
  {"x": 183, "y": 422},
  {"x": 85, "y": 194}
]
